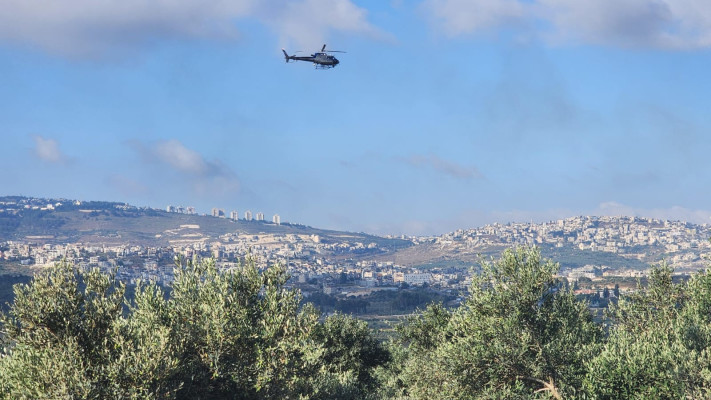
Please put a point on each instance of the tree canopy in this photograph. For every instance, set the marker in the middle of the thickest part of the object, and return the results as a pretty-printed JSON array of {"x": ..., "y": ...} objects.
[
  {"x": 218, "y": 335},
  {"x": 242, "y": 334}
]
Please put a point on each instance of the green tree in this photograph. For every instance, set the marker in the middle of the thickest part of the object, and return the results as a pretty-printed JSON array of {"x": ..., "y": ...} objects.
[
  {"x": 65, "y": 337},
  {"x": 236, "y": 334},
  {"x": 350, "y": 349},
  {"x": 423, "y": 332},
  {"x": 416, "y": 337},
  {"x": 518, "y": 334},
  {"x": 658, "y": 345},
  {"x": 216, "y": 334}
]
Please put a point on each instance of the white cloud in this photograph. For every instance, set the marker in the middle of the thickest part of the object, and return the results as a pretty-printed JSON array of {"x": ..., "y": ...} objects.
[
  {"x": 204, "y": 176},
  {"x": 180, "y": 158},
  {"x": 307, "y": 23},
  {"x": 668, "y": 24},
  {"x": 89, "y": 27},
  {"x": 173, "y": 153},
  {"x": 674, "y": 24},
  {"x": 48, "y": 150},
  {"x": 443, "y": 166},
  {"x": 100, "y": 28},
  {"x": 457, "y": 17}
]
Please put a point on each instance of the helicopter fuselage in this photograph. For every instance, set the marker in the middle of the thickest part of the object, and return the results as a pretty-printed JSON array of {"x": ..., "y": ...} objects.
[{"x": 320, "y": 60}]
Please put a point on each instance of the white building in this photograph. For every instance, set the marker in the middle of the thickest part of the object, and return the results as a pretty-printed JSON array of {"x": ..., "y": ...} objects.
[
  {"x": 234, "y": 215},
  {"x": 276, "y": 219},
  {"x": 417, "y": 279},
  {"x": 248, "y": 215},
  {"x": 260, "y": 216}
]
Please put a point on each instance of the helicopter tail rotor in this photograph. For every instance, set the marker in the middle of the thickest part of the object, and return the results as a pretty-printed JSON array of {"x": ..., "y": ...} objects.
[{"x": 286, "y": 56}]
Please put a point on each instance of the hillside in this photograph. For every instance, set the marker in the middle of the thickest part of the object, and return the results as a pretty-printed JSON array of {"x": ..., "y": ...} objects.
[
  {"x": 610, "y": 242},
  {"x": 614, "y": 242},
  {"x": 58, "y": 221}
]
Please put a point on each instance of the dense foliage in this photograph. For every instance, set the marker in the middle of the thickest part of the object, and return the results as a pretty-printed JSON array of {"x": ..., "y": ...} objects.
[
  {"x": 518, "y": 333},
  {"x": 217, "y": 335},
  {"x": 7, "y": 282},
  {"x": 659, "y": 343},
  {"x": 241, "y": 334}
]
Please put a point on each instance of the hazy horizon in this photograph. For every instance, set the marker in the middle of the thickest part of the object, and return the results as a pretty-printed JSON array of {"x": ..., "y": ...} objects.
[{"x": 268, "y": 217}]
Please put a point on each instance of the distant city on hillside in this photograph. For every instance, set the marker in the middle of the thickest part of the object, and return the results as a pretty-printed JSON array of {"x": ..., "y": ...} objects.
[{"x": 143, "y": 243}]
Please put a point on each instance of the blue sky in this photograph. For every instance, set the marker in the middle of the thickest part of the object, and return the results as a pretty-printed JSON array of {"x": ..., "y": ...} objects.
[{"x": 443, "y": 114}]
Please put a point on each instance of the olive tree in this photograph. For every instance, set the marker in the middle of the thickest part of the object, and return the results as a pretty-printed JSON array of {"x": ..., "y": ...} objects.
[
  {"x": 234, "y": 334},
  {"x": 519, "y": 334},
  {"x": 65, "y": 336},
  {"x": 658, "y": 345}
]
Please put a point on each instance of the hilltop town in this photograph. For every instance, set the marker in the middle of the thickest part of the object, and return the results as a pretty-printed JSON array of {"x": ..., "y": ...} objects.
[
  {"x": 612, "y": 243},
  {"x": 587, "y": 247}
]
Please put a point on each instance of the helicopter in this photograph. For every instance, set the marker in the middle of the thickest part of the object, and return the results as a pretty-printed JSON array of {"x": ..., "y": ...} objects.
[{"x": 321, "y": 59}]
